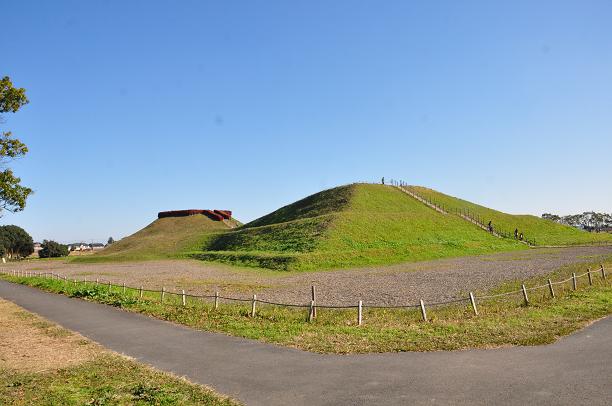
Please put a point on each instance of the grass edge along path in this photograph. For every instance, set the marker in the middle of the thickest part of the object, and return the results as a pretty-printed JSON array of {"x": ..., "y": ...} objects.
[
  {"x": 503, "y": 316},
  {"x": 100, "y": 378}
]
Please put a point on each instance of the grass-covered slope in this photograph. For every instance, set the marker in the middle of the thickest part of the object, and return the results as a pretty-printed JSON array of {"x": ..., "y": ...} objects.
[
  {"x": 277, "y": 240},
  {"x": 297, "y": 227},
  {"x": 164, "y": 238},
  {"x": 544, "y": 232},
  {"x": 351, "y": 226}
]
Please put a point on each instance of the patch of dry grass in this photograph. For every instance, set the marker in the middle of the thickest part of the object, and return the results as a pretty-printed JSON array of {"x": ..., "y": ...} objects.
[
  {"x": 31, "y": 344},
  {"x": 44, "y": 364}
]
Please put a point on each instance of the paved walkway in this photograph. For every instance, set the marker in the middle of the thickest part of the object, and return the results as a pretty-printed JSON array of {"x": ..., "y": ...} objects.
[{"x": 575, "y": 370}]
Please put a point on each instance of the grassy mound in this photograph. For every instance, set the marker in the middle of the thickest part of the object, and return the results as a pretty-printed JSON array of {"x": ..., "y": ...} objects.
[
  {"x": 544, "y": 232},
  {"x": 351, "y": 226},
  {"x": 164, "y": 238},
  {"x": 347, "y": 226}
]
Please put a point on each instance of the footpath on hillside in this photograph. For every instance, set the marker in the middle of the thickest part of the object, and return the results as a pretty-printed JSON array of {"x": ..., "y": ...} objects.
[{"x": 575, "y": 370}]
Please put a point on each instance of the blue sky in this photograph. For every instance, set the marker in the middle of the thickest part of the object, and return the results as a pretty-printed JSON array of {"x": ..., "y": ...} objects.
[{"x": 143, "y": 106}]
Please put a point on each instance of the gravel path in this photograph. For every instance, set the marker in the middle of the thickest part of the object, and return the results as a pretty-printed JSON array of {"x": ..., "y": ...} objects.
[{"x": 436, "y": 280}]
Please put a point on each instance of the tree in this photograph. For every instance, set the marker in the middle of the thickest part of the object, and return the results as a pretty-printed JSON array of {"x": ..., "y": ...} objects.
[
  {"x": 553, "y": 217},
  {"x": 17, "y": 243},
  {"x": 110, "y": 241},
  {"x": 52, "y": 249},
  {"x": 13, "y": 195}
]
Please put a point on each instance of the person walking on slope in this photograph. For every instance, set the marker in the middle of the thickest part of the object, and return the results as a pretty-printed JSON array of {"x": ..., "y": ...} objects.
[
  {"x": 516, "y": 233},
  {"x": 383, "y": 180},
  {"x": 521, "y": 237},
  {"x": 490, "y": 226}
]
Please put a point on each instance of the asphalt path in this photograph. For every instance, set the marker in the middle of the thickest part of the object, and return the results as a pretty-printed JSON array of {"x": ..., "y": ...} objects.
[{"x": 576, "y": 370}]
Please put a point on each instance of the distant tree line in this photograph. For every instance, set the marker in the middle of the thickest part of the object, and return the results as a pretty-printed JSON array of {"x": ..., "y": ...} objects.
[
  {"x": 590, "y": 221},
  {"x": 16, "y": 243}
]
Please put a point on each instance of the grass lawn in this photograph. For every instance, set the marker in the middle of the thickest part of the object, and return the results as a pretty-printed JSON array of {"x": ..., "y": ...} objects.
[
  {"x": 545, "y": 232},
  {"x": 502, "y": 321},
  {"x": 43, "y": 364}
]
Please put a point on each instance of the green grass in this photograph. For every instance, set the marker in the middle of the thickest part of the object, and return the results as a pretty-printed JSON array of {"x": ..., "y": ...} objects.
[
  {"x": 106, "y": 380},
  {"x": 501, "y": 321},
  {"x": 164, "y": 238},
  {"x": 545, "y": 232},
  {"x": 349, "y": 226}
]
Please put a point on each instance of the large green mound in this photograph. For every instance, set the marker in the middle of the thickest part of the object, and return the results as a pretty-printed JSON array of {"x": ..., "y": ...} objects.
[
  {"x": 542, "y": 232},
  {"x": 164, "y": 238},
  {"x": 351, "y": 226}
]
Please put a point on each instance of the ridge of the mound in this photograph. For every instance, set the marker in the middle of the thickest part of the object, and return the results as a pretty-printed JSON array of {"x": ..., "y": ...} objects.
[{"x": 326, "y": 202}]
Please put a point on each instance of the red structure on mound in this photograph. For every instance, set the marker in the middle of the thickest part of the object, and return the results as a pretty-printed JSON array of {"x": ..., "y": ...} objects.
[{"x": 217, "y": 215}]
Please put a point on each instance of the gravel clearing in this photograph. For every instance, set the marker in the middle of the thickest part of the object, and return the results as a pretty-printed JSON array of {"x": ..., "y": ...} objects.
[{"x": 400, "y": 284}]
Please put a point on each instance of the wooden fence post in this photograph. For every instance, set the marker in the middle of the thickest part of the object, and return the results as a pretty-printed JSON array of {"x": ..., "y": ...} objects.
[
  {"x": 109, "y": 286},
  {"x": 184, "y": 298},
  {"x": 423, "y": 312},
  {"x": 216, "y": 300},
  {"x": 359, "y": 312},
  {"x": 473, "y": 301},
  {"x": 163, "y": 293},
  {"x": 140, "y": 293},
  {"x": 524, "y": 289},
  {"x": 97, "y": 281},
  {"x": 253, "y": 305},
  {"x": 124, "y": 288},
  {"x": 314, "y": 300},
  {"x": 574, "y": 281},
  {"x": 550, "y": 287},
  {"x": 590, "y": 277},
  {"x": 311, "y": 313},
  {"x": 603, "y": 272}
]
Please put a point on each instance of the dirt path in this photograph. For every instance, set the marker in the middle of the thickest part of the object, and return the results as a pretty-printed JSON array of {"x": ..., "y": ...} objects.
[
  {"x": 575, "y": 370},
  {"x": 389, "y": 285}
]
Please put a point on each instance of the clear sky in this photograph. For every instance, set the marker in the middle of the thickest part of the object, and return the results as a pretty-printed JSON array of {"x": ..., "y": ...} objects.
[{"x": 142, "y": 106}]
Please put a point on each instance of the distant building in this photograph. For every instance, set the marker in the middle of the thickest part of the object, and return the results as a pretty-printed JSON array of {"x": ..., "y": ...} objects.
[{"x": 81, "y": 246}]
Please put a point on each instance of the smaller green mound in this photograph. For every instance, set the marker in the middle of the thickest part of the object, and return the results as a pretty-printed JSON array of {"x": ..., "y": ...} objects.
[
  {"x": 169, "y": 237},
  {"x": 544, "y": 232}
]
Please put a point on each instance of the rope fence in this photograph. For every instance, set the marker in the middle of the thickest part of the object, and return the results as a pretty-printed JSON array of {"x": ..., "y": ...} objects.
[{"x": 314, "y": 305}]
